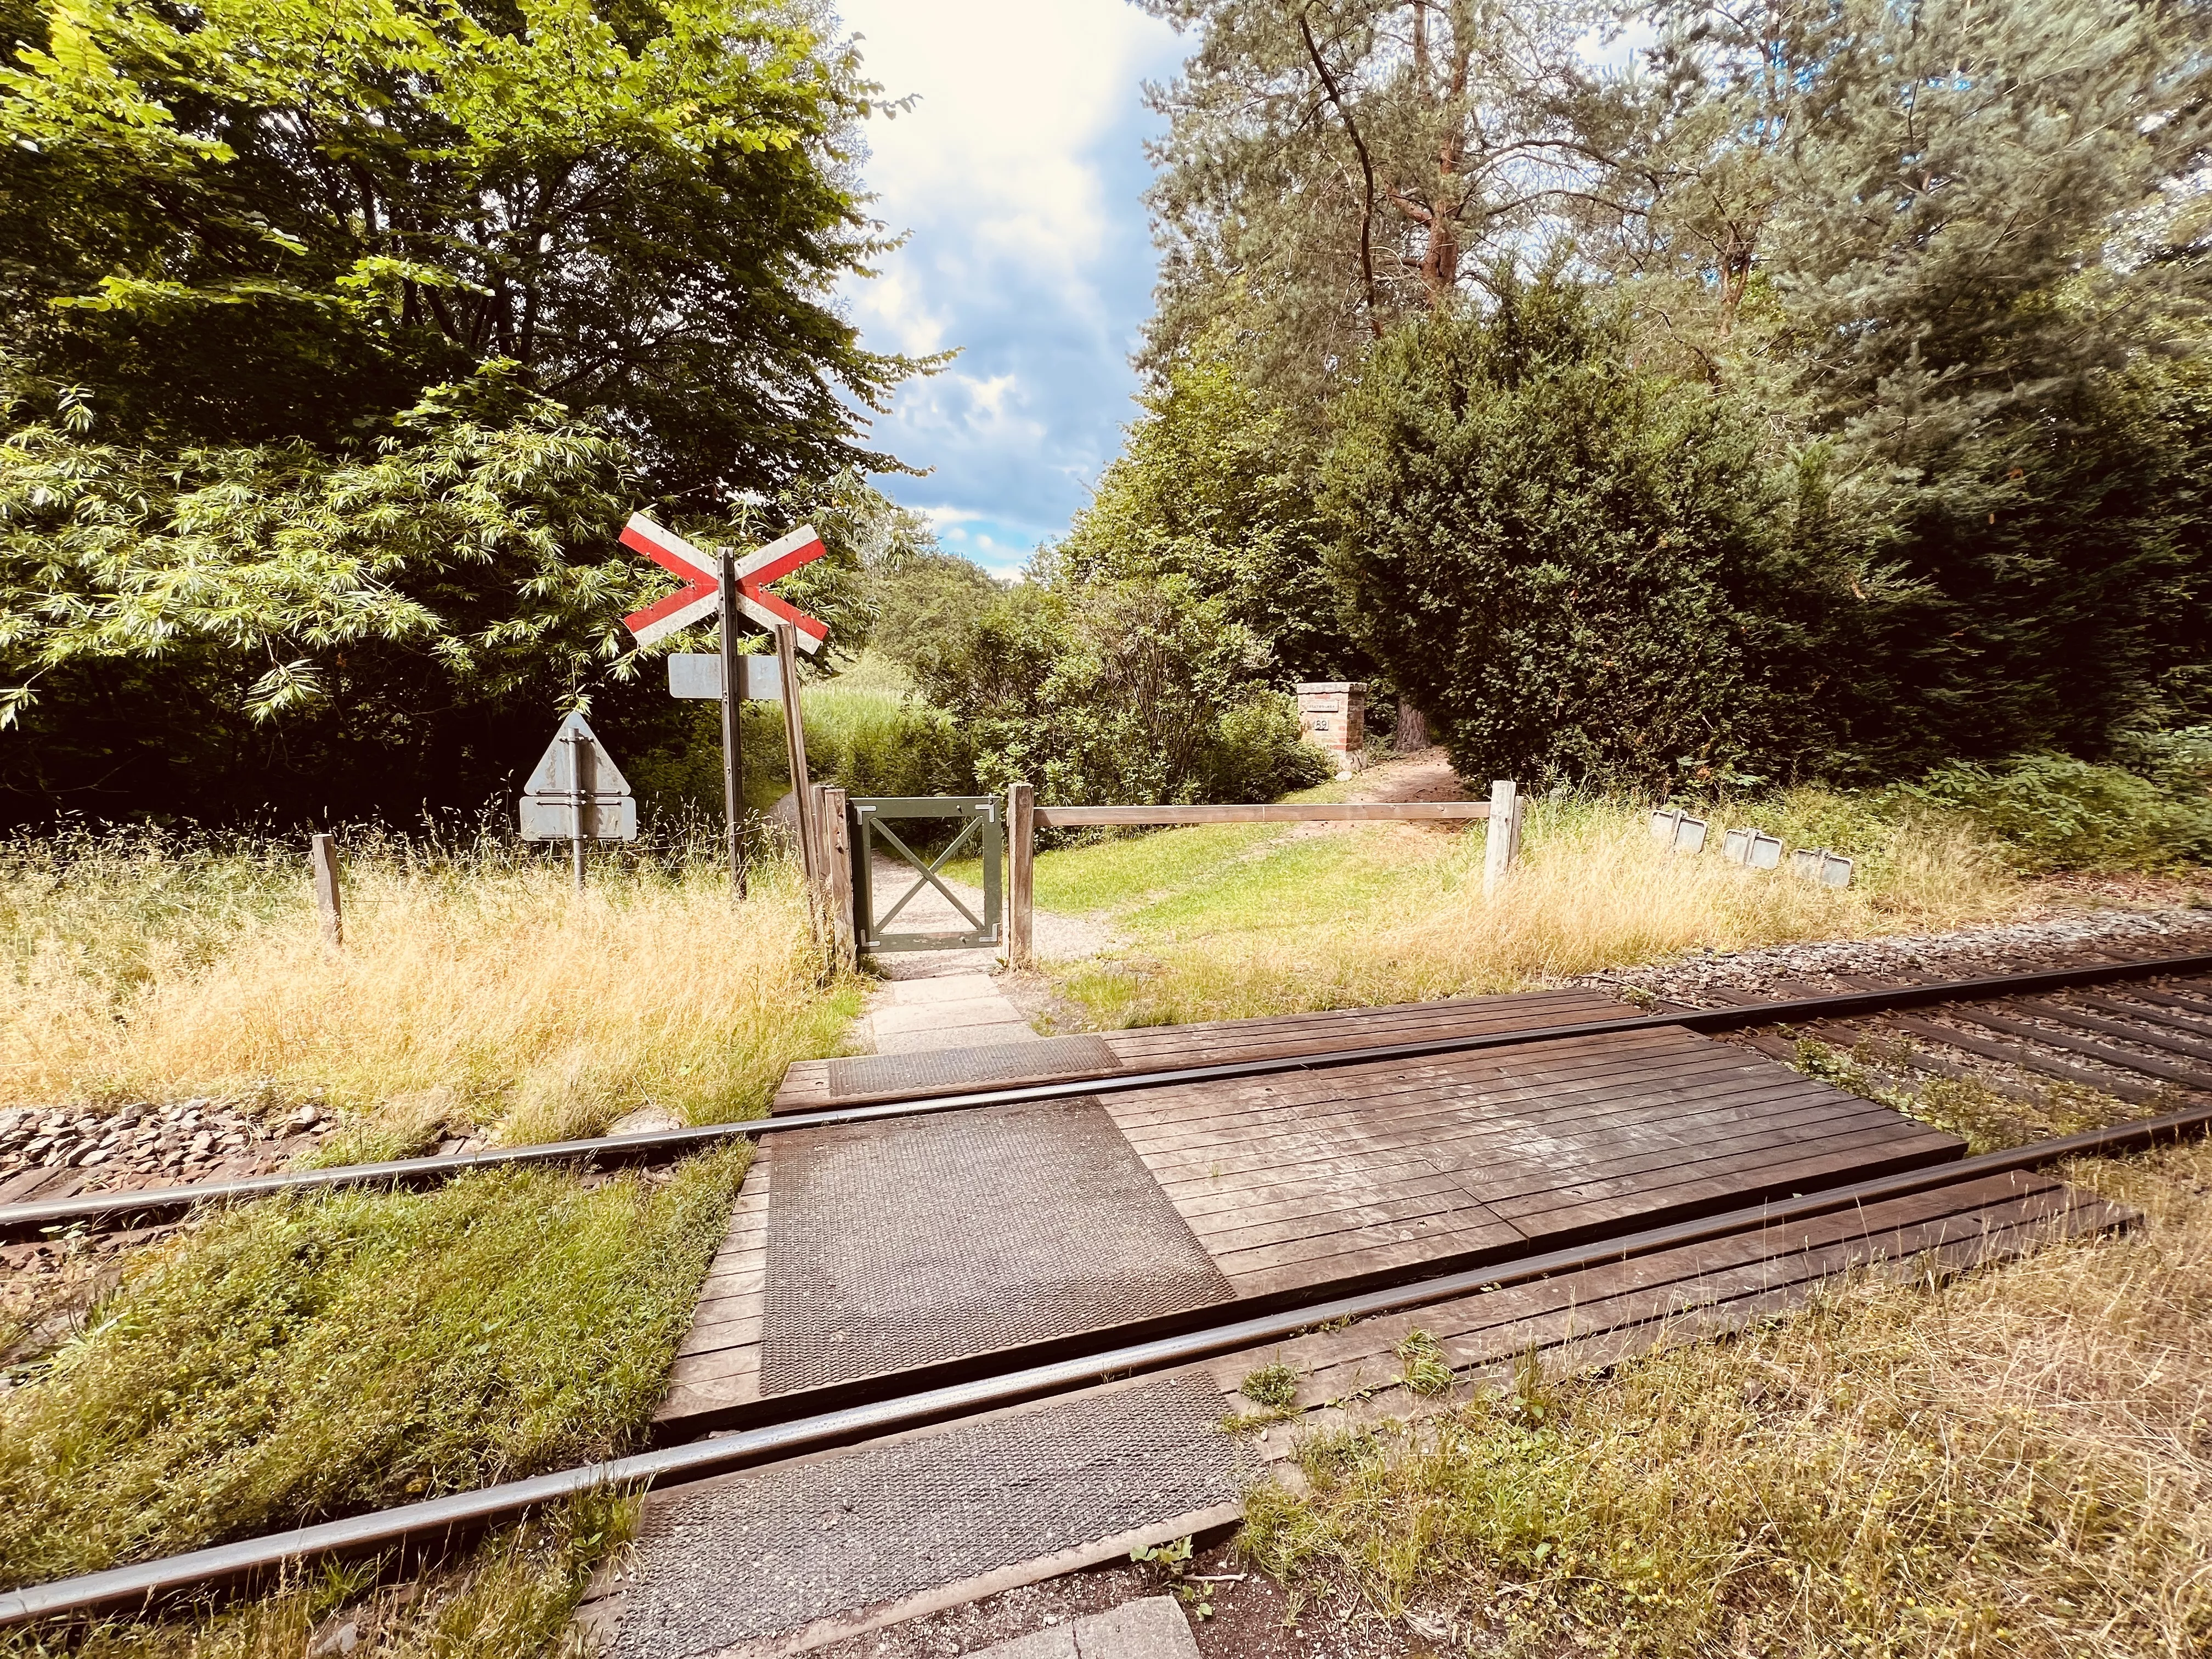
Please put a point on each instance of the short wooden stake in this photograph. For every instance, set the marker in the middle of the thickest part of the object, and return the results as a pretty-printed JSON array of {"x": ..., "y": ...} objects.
[
  {"x": 1501, "y": 842},
  {"x": 1021, "y": 854},
  {"x": 323, "y": 864}
]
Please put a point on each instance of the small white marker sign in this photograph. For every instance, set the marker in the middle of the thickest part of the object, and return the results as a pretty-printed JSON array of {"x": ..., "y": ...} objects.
[{"x": 699, "y": 674}]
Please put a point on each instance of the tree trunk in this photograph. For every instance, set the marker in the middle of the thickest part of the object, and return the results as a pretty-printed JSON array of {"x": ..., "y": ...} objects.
[{"x": 1413, "y": 729}]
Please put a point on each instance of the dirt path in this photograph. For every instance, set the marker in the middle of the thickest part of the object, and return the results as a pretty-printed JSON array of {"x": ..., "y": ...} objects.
[{"x": 1426, "y": 774}]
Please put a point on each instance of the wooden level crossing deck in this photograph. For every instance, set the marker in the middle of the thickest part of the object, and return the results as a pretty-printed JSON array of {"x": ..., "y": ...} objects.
[
  {"x": 1365, "y": 1172},
  {"x": 1581, "y": 1321},
  {"x": 811, "y": 1084}
]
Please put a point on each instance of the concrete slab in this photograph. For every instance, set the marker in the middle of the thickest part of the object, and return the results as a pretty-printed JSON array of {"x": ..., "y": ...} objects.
[
  {"x": 992, "y": 1010},
  {"x": 952, "y": 988},
  {"x": 1154, "y": 1628},
  {"x": 1053, "y": 1642}
]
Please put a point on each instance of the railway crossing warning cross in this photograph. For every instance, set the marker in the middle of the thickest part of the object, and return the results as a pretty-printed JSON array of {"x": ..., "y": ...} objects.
[
  {"x": 718, "y": 583},
  {"x": 701, "y": 597}
]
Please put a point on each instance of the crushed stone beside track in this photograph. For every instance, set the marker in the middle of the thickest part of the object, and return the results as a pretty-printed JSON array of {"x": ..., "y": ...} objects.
[
  {"x": 48, "y": 1152},
  {"x": 1960, "y": 953}
]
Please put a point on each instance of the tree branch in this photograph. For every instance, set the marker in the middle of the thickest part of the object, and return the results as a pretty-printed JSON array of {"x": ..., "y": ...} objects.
[{"x": 1367, "y": 171}]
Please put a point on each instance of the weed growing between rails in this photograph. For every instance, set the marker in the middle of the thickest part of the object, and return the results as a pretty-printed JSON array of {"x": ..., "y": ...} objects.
[
  {"x": 308, "y": 1357},
  {"x": 2018, "y": 1462},
  {"x": 1373, "y": 916},
  {"x": 476, "y": 987}
]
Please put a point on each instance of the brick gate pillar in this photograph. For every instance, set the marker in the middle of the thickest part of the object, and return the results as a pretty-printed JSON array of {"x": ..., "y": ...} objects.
[{"x": 1333, "y": 717}]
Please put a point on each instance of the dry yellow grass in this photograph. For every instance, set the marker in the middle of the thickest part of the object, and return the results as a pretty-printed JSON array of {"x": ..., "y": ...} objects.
[
  {"x": 2016, "y": 1463},
  {"x": 1373, "y": 916},
  {"x": 474, "y": 988}
]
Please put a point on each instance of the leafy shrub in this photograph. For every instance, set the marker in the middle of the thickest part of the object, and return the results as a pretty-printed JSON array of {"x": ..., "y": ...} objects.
[
  {"x": 925, "y": 599},
  {"x": 2054, "y": 812},
  {"x": 870, "y": 737},
  {"x": 874, "y": 746},
  {"x": 1134, "y": 691}
]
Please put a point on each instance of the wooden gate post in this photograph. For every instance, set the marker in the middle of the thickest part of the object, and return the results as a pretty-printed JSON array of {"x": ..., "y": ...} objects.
[
  {"x": 794, "y": 741},
  {"x": 1021, "y": 851},
  {"x": 1501, "y": 842},
  {"x": 834, "y": 841},
  {"x": 323, "y": 864}
]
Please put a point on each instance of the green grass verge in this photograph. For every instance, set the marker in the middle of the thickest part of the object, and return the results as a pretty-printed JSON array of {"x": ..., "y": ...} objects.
[
  {"x": 302, "y": 1359},
  {"x": 514, "y": 1595},
  {"x": 1285, "y": 881}
]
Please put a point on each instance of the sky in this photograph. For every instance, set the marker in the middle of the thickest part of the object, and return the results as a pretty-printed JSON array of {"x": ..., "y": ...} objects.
[{"x": 1018, "y": 176}]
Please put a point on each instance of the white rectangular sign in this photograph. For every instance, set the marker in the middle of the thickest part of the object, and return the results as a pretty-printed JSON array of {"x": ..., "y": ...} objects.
[
  {"x": 696, "y": 674},
  {"x": 553, "y": 817}
]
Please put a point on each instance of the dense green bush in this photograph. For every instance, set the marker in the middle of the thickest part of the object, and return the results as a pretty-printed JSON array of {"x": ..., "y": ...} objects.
[
  {"x": 869, "y": 738},
  {"x": 1135, "y": 691},
  {"x": 1213, "y": 483},
  {"x": 2052, "y": 812},
  {"x": 1583, "y": 571},
  {"x": 926, "y": 600}
]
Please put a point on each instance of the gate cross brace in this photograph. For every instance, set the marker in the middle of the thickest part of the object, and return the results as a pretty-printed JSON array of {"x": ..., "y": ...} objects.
[{"x": 928, "y": 871}]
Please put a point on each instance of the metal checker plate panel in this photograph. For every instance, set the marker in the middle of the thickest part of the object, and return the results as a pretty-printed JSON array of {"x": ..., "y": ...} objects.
[
  {"x": 769, "y": 1551},
  {"x": 898, "y": 1244},
  {"x": 953, "y": 1068}
]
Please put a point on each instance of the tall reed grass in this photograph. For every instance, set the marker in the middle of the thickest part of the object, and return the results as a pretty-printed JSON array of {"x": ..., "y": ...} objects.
[
  {"x": 474, "y": 988},
  {"x": 1381, "y": 915}
]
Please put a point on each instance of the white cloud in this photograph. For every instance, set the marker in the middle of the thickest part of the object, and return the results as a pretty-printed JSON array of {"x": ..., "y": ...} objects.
[{"x": 1018, "y": 173}]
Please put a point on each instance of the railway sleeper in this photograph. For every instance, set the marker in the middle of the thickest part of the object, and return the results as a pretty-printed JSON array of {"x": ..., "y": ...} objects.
[
  {"x": 2066, "y": 1014},
  {"x": 2109, "y": 1055},
  {"x": 2140, "y": 1094}
]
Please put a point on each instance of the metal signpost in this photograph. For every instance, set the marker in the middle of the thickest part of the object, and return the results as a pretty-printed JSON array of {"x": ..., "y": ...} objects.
[
  {"x": 577, "y": 794},
  {"x": 724, "y": 585}
]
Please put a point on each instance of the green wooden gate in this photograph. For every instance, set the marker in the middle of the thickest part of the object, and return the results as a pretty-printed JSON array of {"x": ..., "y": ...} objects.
[{"x": 981, "y": 831}]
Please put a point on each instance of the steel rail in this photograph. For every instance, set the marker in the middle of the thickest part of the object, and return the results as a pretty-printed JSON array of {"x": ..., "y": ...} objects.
[
  {"x": 465, "y": 1513},
  {"x": 110, "y": 1209}
]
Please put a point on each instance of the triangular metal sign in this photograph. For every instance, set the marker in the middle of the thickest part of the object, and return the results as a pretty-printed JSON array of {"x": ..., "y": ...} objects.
[{"x": 553, "y": 776}]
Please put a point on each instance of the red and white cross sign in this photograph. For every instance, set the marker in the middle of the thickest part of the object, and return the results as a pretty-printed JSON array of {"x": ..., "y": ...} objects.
[{"x": 700, "y": 596}]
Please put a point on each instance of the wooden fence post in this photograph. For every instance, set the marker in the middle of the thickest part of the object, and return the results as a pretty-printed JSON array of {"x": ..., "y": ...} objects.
[
  {"x": 1021, "y": 855},
  {"x": 834, "y": 841},
  {"x": 1501, "y": 842},
  {"x": 794, "y": 740},
  {"x": 323, "y": 864}
]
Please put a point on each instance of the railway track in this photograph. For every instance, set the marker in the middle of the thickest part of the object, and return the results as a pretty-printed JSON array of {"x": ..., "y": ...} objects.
[
  {"x": 810, "y": 1431},
  {"x": 2174, "y": 1022},
  {"x": 2143, "y": 1024}
]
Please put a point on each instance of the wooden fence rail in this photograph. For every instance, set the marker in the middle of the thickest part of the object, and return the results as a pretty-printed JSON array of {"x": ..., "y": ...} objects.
[
  {"x": 1330, "y": 812},
  {"x": 1502, "y": 843},
  {"x": 1024, "y": 818}
]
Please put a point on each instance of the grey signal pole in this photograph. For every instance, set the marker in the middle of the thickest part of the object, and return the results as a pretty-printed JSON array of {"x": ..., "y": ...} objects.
[{"x": 733, "y": 756}]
